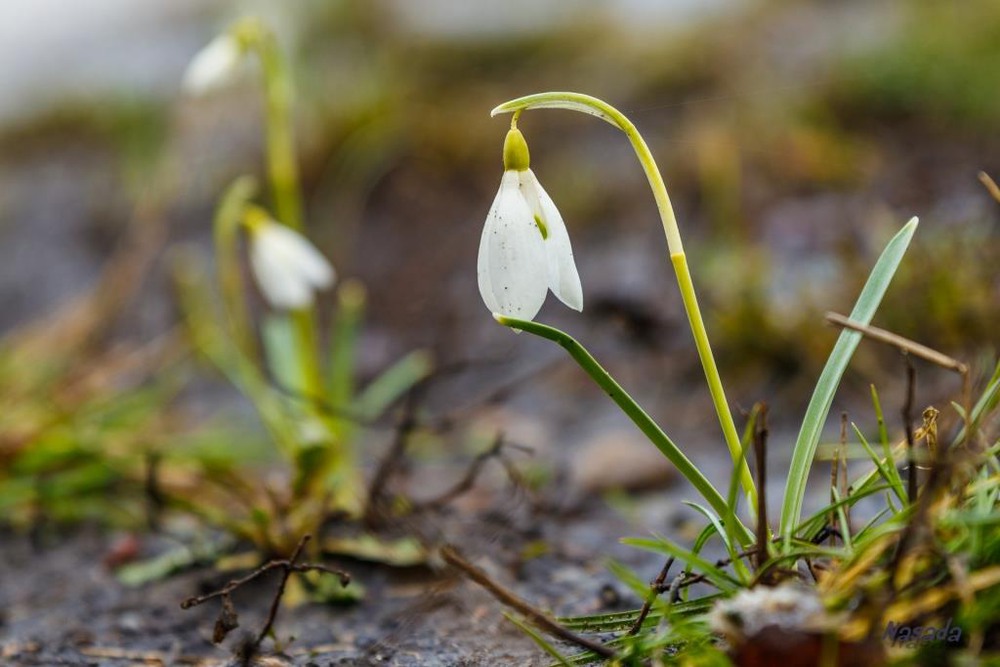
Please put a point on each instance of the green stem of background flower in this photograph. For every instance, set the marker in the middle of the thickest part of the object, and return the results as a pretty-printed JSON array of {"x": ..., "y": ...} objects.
[
  {"x": 225, "y": 228},
  {"x": 283, "y": 174},
  {"x": 595, "y": 107}
]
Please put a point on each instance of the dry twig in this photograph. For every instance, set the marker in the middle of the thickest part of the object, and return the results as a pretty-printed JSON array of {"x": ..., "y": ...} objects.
[
  {"x": 760, "y": 453},
  {"x": 227, "y": 620},
  {"x": 534, "y": 615},
  {"x": 909, "y": 347},
  {"x": 654, "y": 590}
]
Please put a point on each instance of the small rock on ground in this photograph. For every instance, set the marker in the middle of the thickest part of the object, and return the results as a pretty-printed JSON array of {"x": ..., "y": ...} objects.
[{"x": 619, "y": 460}]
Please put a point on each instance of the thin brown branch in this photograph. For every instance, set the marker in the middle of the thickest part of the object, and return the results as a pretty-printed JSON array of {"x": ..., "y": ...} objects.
[
  {"x": 911, "y": 472},
  {"x": 690, "y": 580},
  {"x": 534, "y": 615},
  {"x": 391, "y": 461},
  {"x": 465, "y": 484},
  {"x": 286, "y": 571},
  {"x": 903, "y": 344},
  {"x": 844, "y": 480},
  {"x": 287, "y": 567},
  {"x": 654, "y": 590},
  {"x": 909, "y": 347},
  {"x": 760, "y": 454}
]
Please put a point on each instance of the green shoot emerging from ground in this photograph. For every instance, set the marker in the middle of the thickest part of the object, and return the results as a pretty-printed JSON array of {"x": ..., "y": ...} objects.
[{"x": 310, "y": 406}]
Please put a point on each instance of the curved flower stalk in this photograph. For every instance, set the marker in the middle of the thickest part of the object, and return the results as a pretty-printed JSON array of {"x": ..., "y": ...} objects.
[
  {"x": 525, "y": 250},
  {"x": 215, "y": 66},
  {"x": 595, "y": 107}
]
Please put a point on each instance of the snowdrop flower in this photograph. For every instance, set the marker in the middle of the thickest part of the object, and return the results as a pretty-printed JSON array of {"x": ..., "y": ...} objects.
[
  {"x": 214, "y": 65},
  {"x": 524, "y": 251},
  {"x": 288, "y": 268}
]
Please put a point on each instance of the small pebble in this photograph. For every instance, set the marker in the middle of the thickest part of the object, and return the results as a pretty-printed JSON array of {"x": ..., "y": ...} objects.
[{"x": 619, "y": 460}]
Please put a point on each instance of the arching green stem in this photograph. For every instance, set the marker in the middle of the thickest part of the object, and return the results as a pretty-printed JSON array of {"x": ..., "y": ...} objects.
[
  {"x": 595, "y": 107},
  {"x": 282, "y": 167}
]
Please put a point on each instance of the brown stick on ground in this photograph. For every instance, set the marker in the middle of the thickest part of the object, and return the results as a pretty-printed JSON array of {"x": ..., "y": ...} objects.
[
  {"x": 287, "y": 565},
  {"x": 654, "y": 590},
  {"x": 534, "y": 615}
]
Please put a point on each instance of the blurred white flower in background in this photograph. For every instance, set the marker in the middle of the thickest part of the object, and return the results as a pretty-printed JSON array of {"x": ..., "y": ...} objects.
[
  {"x": 214, "y": 66},
  {"x": 525, "y": 251},
  {"x": 288, "y": 268}
]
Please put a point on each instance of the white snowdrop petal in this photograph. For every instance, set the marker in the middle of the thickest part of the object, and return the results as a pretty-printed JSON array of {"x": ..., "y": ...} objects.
[
  {"x": 490, "y": 229},
  {"x": 288, "y": 268},
  {"x": 281, "y": 288},
  {"x": 299, "y": 255},
  {"x": 213, "y": 66},
  {"x": 563, "y": 278},
  {"x": 318, "y": 269},
  {"x": 513, "y": 277}
]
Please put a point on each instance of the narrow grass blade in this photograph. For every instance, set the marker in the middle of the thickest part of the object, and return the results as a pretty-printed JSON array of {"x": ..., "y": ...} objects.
[
  {"x": 622, "y": 620},
  {"x": 731, "y": 548},
  {"x": 393, "y": 383},
  {"x": 874, "y": 521},
  {"x": 699, "y": 543},
  {"x": 886, "y": 468},
  {"x": 719, "y": 577},
  {"x": 538, "y": 639},
  {"x": 883, "y": 434},
  {"x": 225, "y": 227},
  {"x": 340, "y": 386},
  {"x": 639, "y": 417},
  {"x": 810, "y": 527},
  {"x": 987, "y": 403},
  {"x": 845, "y": 526},
  {"x": 283, "y": 359},
  {"x": 628, "y": 576},
  {"x": 829, "y": 380}
]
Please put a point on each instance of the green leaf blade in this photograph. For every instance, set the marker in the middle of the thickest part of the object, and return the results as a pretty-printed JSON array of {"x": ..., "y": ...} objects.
[{"x": 829, "y": 380}]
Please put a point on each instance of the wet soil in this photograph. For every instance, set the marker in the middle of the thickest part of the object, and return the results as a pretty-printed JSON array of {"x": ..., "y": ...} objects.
[{"x": 62, "y": 605}]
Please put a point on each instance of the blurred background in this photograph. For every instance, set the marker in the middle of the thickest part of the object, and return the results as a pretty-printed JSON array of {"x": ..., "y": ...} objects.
[{"x": 795, "y": 138}]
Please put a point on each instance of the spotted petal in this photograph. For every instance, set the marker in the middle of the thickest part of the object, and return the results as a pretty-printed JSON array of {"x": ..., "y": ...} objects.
[{"x": 513, "y": 277}]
